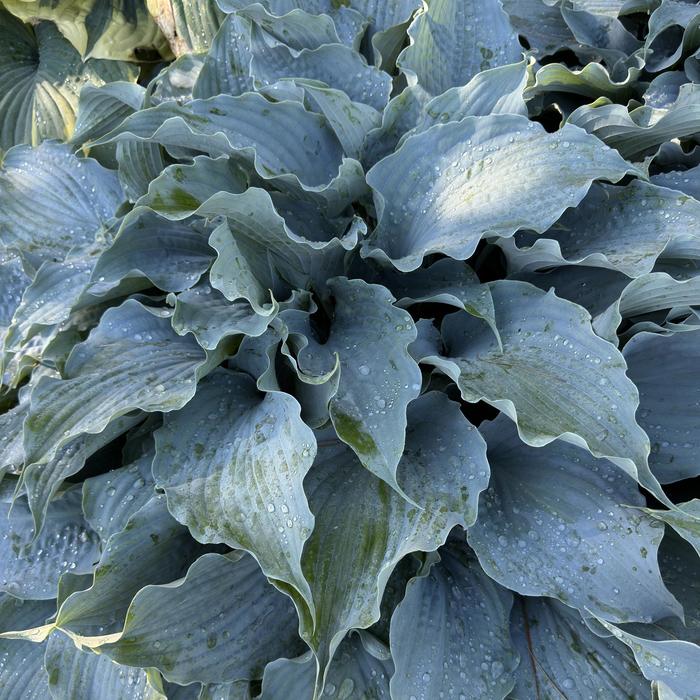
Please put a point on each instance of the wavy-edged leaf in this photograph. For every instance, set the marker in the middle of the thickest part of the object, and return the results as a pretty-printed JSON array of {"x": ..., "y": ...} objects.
[
  {"x": 452, "y": 40},
  {"x": 541, "y": 24},
  {"x": 72, "y": 200},
  {"x": 560, "y": 656},
  {"x": 180, "y": 189},
  {"x": 622, "y": 228},
  {"x": 363, "y": 528},
  {"x": 110, "y": 499},
  {"x": 152, "y": 548},
  {"x": 684, "y": 519},
  {"x": 351, "y": 121},
  {"x": 101, "y": 109},
  {"x": 565, "y": 512},
  {"x": 304, "y": 148},
  {"x": 476, "y": 186},
  {"x": 672, "y": 662},
  {"x": 664, "y": 368},
  {"x": 31, "y": 567},
  {"x": 641, "y": 132},
  {"x": 361, "y": 668},
  {"x": 232, "y": 463},
  {"x": 553, "y": 375},
  {"x": 673, "y": 29},
  {"x": 13, "y": 280},
  {"x": 41, "y": 481},
  {"x": 593, "y": 81},
  {"x": 11, "y": 445},
  {"x": 74, "y": 673},
  {"x": 149, "y": 366},
  {"x": 464, "y": 640},
  {"x": 139, "y": 163},
  {"x": 378, "y": 378},
  {"x": 207, "y": 314},
  {"x": 239, "y": 624},
  {"x": 687, "y": 181},
  {"x": 260, "y": 240},
  {"x": 173, "y": 255},
  {"x": 226, "y": 67},
  {"x": 41, "y": 75},
  {"x": 336, "y": 65},
  {"x": 448, "y": 282},
  {"x": 46, "y": 302}
]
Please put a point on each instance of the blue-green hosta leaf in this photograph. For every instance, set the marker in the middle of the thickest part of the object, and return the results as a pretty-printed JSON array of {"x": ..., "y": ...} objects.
[
  {"x": 18, "y": 614},
  {"x": 139, "y": 163},
  {"x": 11, "y": 445},
  {"x": 31, "y": 567},
  {"x": 46, "y": 302},
  {"x": 74, "y": 673},
  {"x": 207, "y": 314},
  {"x": 101, "y": 109},
  {"x": 22, "y": 671},
  {"x": 673, "y": 30},
  {"x": 378, "y": 378},
  {"x": 361, "y": 668},
  {"x": 543, "y": 377},
  {"x": 110, "y": 499},
  {"x": 239, "y": 624},
  {"x": 180, "y": 189},
  {"x": 592, "y": 81},
  {"x": 41, "y": 481},
  {"x": 266, "y": 239},
  {"x": 445, "y": 282},
  {"x": 607, "y": 34},
  {"x": 297, "y": 28},
  {"x": 664, "y": 368},
  {"x": 188, "y": 25},
  {"x": 232, "y": 463},
  {"x": 541, "y": 23},
  {"x": 622, "y": 228},
  {"x": 464, "y": 639},
  {"x": 530, "y": 379},
  {"x": 244, "y": 284},
  {"x": 452, "y": 40},
  {"x": 226, "y": 67},
  {"x": 152, "y": 548},
  {"x": 687, "y": 181},
  {"x": 640, "y": 132},
  {"x": 476, "y": 186},
  {"x": 336, "y": 65},
  {"x": 304, "y": 148},
  {"x": 237, "y": 690},
  {"x": 561, "y": 657},
  {"x": 13, "y": 280},
  {"x": 40, "y": 79},
  {"x": 673, "y": 662},
  {"x": 351, "y": 121},
  {"x": 566, "y": 513},
  {"x": 71, "y": 200},
  {"x": 363, "y": 527},
  {"x": 494, "y": 91},
  {"x": 684, "y": 519},
  {"x": 132, "y": 360},
  {"x": 172, "y": 255}
]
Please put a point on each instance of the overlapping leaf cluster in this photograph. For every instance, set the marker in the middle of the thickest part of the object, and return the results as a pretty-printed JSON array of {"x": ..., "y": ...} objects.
[{"x": 352, "y": 353}]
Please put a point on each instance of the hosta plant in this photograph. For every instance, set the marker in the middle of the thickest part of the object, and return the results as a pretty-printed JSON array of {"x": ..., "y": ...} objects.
[{"x": 349, "y": 349}]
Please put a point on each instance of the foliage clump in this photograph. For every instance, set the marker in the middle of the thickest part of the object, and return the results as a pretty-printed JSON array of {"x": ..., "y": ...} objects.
[{"x": 349, "y": 349}]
